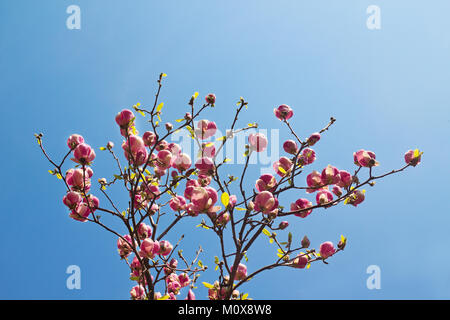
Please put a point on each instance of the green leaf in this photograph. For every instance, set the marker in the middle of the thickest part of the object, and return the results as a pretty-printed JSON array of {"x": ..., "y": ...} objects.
[
  {"x": 208, "y": 285},
  {"x": 102, "y": 148},
  {"x": 164, "y": 297},
  {"x": 159, "y": 107},
  {"x": 225, "y": 198},
  {"x": 266, "y": 232}
]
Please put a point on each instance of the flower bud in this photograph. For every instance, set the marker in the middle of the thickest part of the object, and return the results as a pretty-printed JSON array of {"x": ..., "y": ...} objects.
[
  {"x": 300, "y": 261},
  {"x": 137, "y": 293},
  {"x": 305, "y": 242},
  {"x": 312, "y": 140},
  {"x": 74, "y": 140},
  {"x": 327, "y": 249},
  {"x": 84, "y": 154},
  {"x": 283, "y": 112},
  {"x": 413, "y": 157},
  {"x": 283, "y": 225},
  {"x": 144, "y": 231},
  {"x": 169, "y": 126},
  {"x": 290, "y": 146},
  {"x": 210, "y": 98},
  {"x": 241, "y": 272},
  {"x": 165, "y": 247}
]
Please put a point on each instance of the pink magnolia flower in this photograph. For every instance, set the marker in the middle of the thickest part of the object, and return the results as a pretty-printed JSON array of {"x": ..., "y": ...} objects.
[
  {"x": 184, "y": 280},
  {"x": 151, "y": 190},
  {"x": 205, "y": 165},
  {"x": 314, "y": 181},
  {"x": 283, "y": 112},
  {"x": 137, "y": 293},
  {"x": 223, "y": 218},
  {"x": 257, "y": 142},
  {"x": 283, "y": 225},
  {"x": 140, "y": 202},
  {"x": 174, "y": 148},
  {"x": 147, "y": 246},
  {"x": 190, "y": 295},
  {"x": 241, "y": 271},
  {"x": 266, "y": 203},
  {"x": 413, "y": 157},
  {"x": 124, "y": 118},
  {"x": 232, "y": 201},
  {"x": 327, "y": 249},
  {"x": 72, "y": 199},
  {"x": 283, "y": 166},
  {"x": 177, "y": 203},
  {"x": 356, "y": 197},
  {"x": 92, "y": 202},
  {"x": 204, "y": 199},
  {"x": 165, "y": 247},
  {"x": 205, "y": 129},
  {"x": 290, "y": 146},
  {"x": 204, "y": 179},
  {"x": 324, "y": 196},
  {"x": 301, "y": 204},
  {"x": 182, "y": 162},
  {"x": 162, "y": 145},
  {"x": 149, "y": 138},
  {"x": 346, "y": 179},
  {"x": 330, "y": 175},
  {"x": 156, "y": 247},
  {"x": 124, "y": 246},
  {"x": 365, "y": 158},
  {"x": 134, "y": 150},
  {"x": 81, "y": 212},
  {"x": 308, "y": 156},
  {"x": 172, "y": 296},
  {"x": 78, "y": 179},
  {"x": 208, "y": 149},
  {"x": 74, "y": 140},
  {"x": 144, "y": 231},
  {"x": 213, "y": 294},
  {"x": 210, "y": 98},
  {"x": 164, "y": 159},
  {"x": 190, "y": 185},
  {"x": 83, "y": 154},
  {"x": 266, "y": 182},
  {"x": 300, "y": 261},
  {"x": 173, "y": 287},
  {"x": 337, "y": 191},
  {"x": 136, "y": 268},
  {"x": 312, "y": 140}
]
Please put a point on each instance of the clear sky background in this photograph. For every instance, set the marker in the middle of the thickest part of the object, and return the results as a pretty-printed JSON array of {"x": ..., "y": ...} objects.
[{"x": 387, "y": 88}]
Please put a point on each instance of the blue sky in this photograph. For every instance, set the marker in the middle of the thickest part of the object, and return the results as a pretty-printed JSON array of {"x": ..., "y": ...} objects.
[{"x": 387, "y": 88}]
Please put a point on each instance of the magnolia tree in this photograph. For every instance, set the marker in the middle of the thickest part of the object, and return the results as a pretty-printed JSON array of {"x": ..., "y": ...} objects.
[{"x": 163, "y": 184}]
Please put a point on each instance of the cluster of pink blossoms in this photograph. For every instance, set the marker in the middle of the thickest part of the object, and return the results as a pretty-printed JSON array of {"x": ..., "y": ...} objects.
[
  {"x": 200, "y": 197},
  {"x": 77, "y": 199}
]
